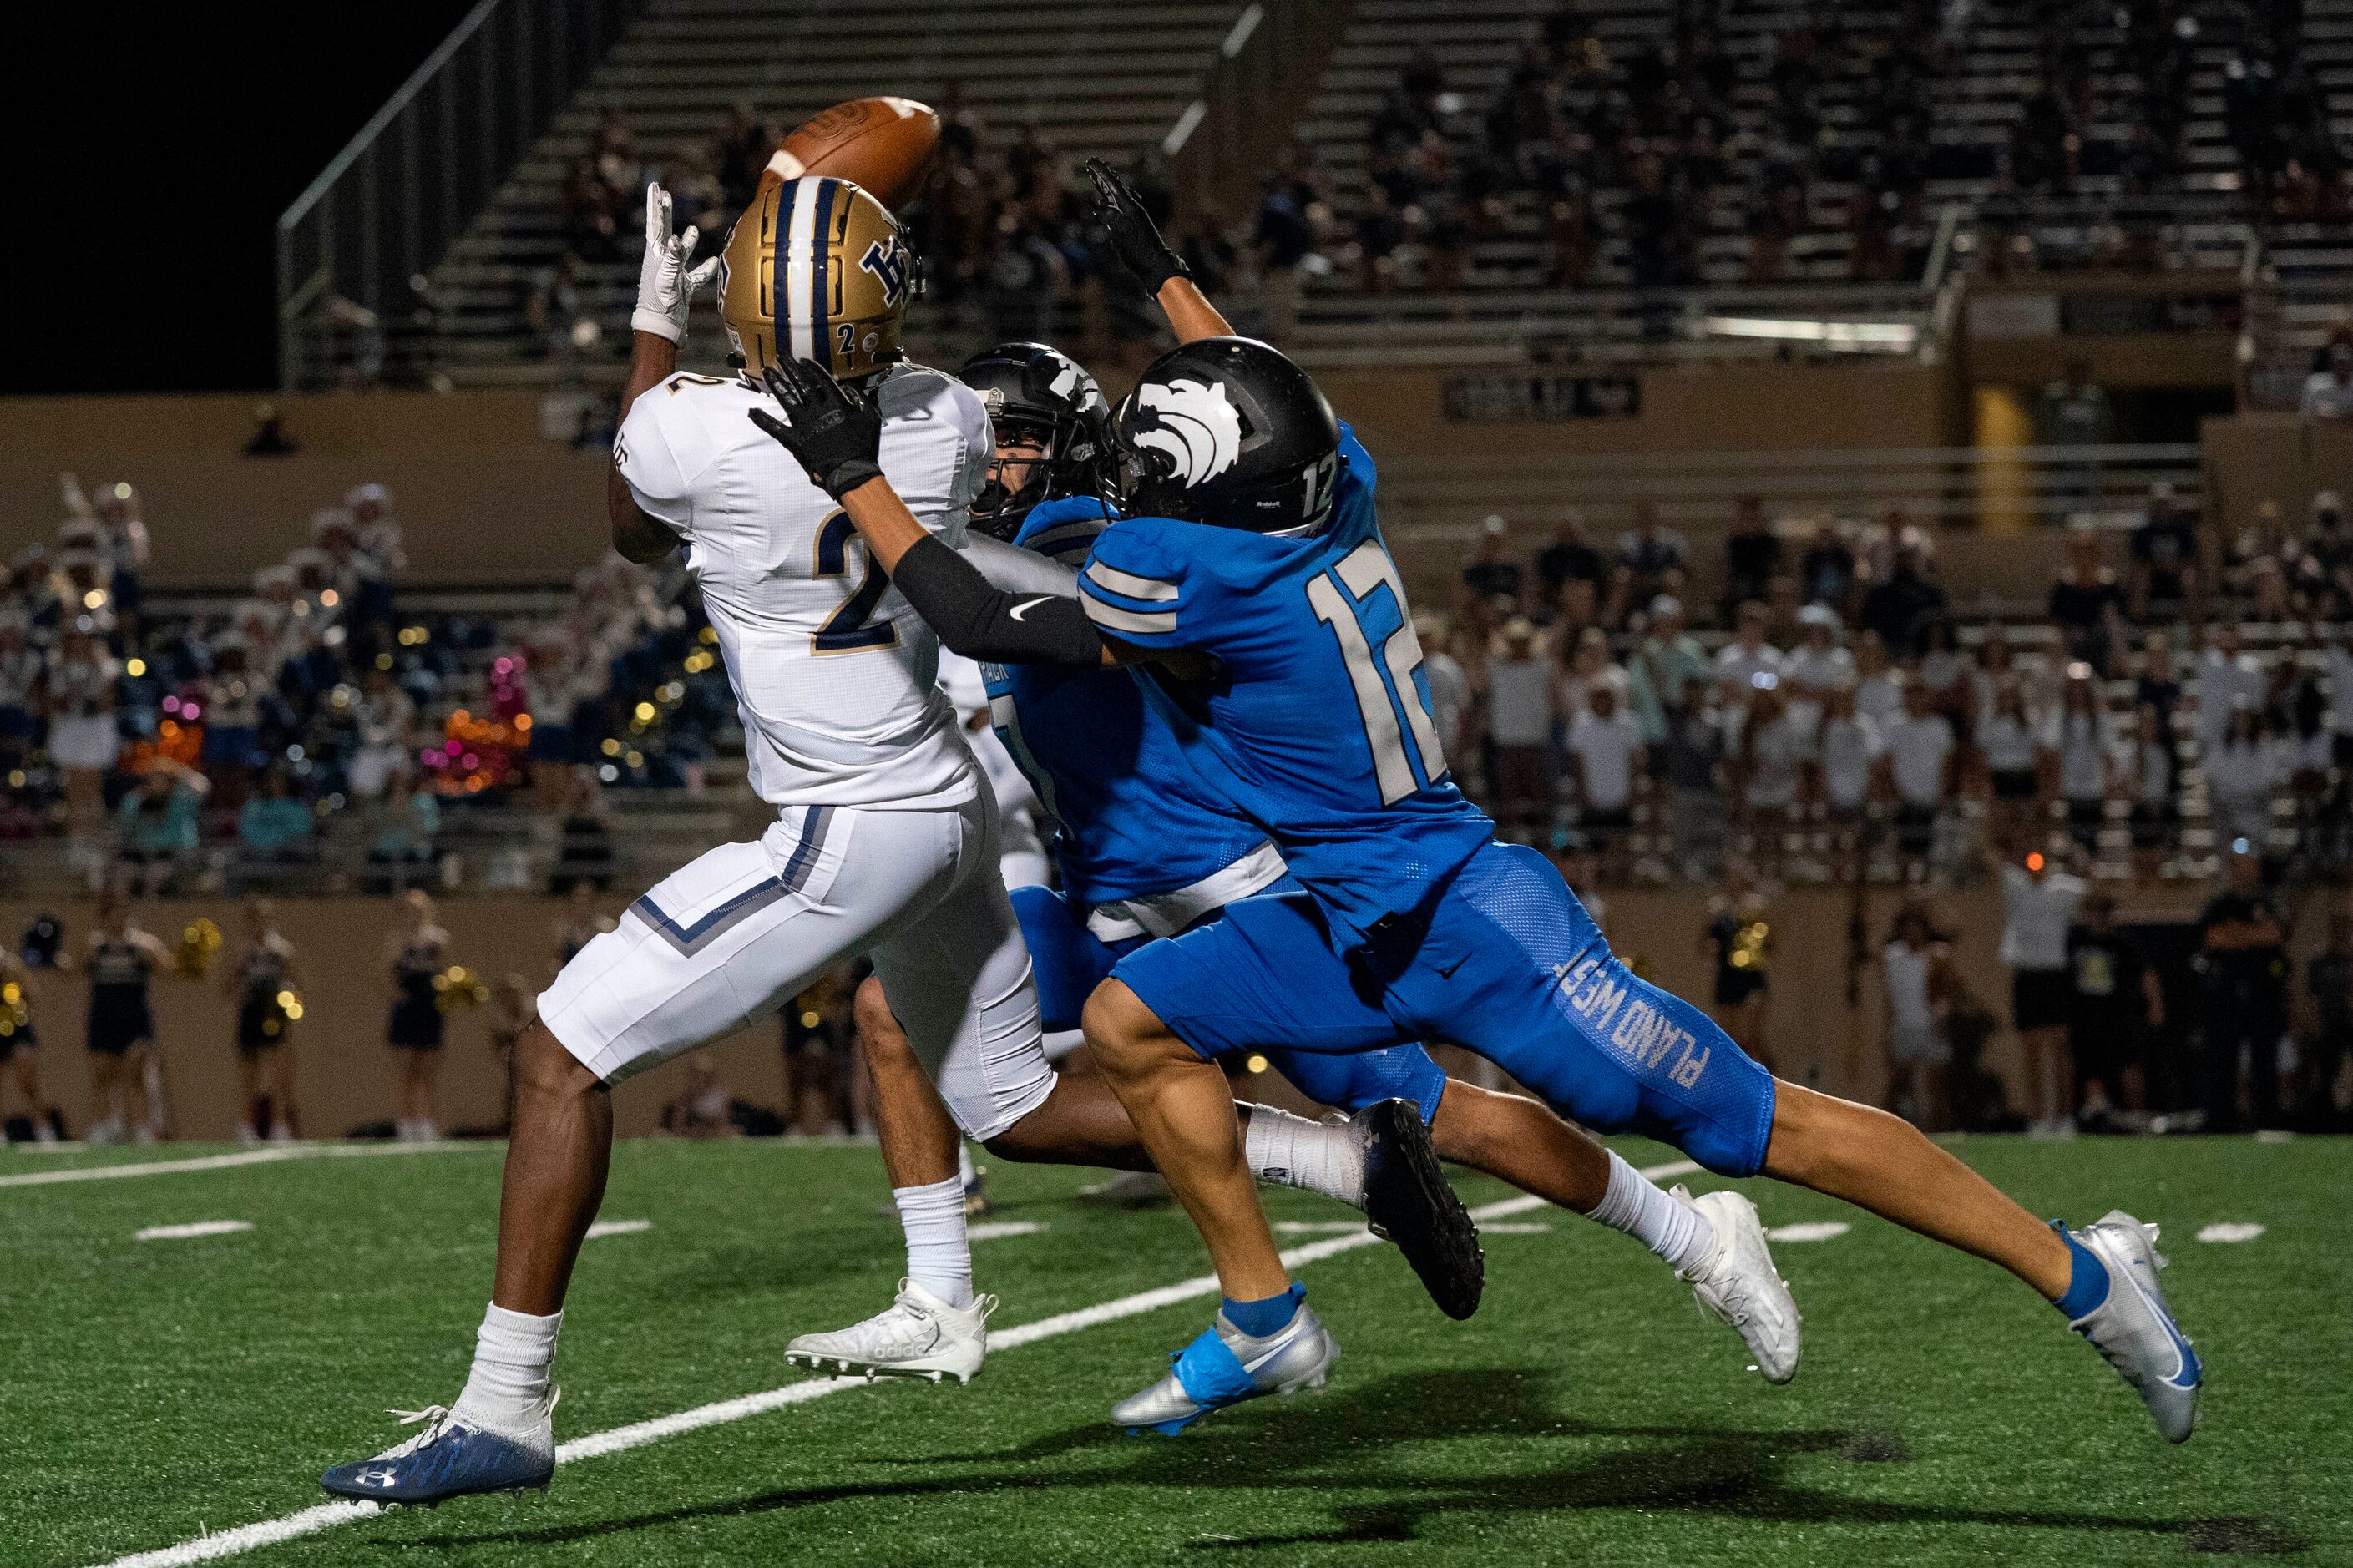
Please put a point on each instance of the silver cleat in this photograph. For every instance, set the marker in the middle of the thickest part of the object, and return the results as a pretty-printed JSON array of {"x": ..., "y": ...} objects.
[
  {"x": 1298, "y": 1356},
  {"x": 2133, "y": 1329}
]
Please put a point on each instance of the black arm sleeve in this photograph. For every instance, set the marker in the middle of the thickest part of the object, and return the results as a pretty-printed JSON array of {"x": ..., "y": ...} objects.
[{"x": 981, "y": 621}]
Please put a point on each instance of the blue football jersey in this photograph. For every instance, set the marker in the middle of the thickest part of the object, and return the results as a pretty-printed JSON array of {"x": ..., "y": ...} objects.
[
  {"x": 1316, "y": 723},
  {"x": 1134, "y": 820}
]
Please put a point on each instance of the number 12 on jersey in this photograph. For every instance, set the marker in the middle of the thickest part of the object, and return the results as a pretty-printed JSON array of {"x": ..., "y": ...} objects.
[{"x": 1380, "y": 703}]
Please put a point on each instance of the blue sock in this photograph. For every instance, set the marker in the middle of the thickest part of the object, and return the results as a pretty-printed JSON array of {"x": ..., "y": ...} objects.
[
  {"x": 1260, "y": 1319},
  {"x": 2088, "y": 1286}
]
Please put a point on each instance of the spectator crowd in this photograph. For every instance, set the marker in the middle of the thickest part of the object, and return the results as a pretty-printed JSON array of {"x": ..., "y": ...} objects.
[
  {"x": 1814, "y": 151},
  {"x": 310, "y": 732},
  {"x": 1842, "y": 720}
]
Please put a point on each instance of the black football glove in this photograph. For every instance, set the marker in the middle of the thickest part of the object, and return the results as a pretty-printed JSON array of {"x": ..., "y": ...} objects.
[
  {"x": 834, "y": 430},
  {"x": 1134, "y": 236}
]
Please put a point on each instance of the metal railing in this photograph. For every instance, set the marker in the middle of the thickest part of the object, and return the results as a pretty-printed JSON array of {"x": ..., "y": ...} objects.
[
  {"x": 1250, "y": 97},
  {"x": 354, "y": 247}
]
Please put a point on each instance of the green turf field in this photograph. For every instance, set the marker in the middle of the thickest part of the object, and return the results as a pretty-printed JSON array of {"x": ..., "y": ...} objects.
[{"x": 155, "y": 1391}]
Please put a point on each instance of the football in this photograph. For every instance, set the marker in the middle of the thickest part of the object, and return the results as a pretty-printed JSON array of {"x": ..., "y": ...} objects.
[{"x": 882, "y": 144}]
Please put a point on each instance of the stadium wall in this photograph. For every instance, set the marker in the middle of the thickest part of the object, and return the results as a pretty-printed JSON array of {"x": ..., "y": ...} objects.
[
  {"x": 2284, "y": 459},
  {"x": 486, "y": 499},
  {"x": 1718, "y": 408},
  {"x": 347, "y": 1074}
]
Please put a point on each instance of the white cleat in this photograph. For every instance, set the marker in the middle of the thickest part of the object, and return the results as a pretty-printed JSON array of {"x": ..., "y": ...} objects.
[
  {"x": 2133, "y": 1328},
  {"x": 919, "y": 1336},
  {"x": 1739, "y": 1285}
]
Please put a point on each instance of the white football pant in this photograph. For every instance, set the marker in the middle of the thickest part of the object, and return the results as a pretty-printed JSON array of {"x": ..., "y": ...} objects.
[{"x": 740, "y": 932}]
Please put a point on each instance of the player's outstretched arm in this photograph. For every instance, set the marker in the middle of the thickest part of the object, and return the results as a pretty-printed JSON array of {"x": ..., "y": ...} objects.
[
  {"x": 1136, "y": 240},
  {"x": 836, "y": 434},
  {"x": 665, "y": 289}
]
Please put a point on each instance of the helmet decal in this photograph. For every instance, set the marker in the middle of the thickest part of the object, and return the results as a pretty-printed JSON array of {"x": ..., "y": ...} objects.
[
  {"x": 1076, "y": 387},
  {"x": 889, "y": 264},
  {"x": 1200, "y": 429}
]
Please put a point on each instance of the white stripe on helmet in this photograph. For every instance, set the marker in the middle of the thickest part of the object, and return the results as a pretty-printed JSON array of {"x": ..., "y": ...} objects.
[{"x": 801, "y": 240}]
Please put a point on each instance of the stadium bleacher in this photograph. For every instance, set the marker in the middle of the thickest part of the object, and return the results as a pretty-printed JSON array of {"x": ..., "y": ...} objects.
[
  {"x": 1960, "y": 187},
  {"x": 1090, "y": 81}
]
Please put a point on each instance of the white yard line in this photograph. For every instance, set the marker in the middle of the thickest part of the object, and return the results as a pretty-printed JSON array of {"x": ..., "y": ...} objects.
[
  {"x": 326, "y": 1516},
  {"x": 996, "y": 1229},
  {"x": 196, "y": 1228},
  {"x": 2230, "y": 1230},
  {"x": 270, "y": 1156},
  {"x": 1808, "y": 1230},
  {"x": 605, "y": 1228}
]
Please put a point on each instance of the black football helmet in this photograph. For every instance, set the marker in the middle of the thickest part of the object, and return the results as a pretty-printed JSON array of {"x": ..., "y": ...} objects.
[
  {"x": 1228, "y": 432},
  {"x": 1032, "y": 390}
]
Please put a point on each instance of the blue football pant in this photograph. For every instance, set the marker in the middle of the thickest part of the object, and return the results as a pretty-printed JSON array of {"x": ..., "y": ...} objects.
[
  {"x": 1505, "y": 961},
  {"x": 1068, "y": 961}
]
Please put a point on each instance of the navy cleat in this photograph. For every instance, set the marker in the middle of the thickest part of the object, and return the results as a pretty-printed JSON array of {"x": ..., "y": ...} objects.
[
  {"x": 451, "y": 1458},
  {"x": 1407, "y": 1201},
  {"x": 2132, "y": 1326},
  {"x": 1226, "y": 1366}
]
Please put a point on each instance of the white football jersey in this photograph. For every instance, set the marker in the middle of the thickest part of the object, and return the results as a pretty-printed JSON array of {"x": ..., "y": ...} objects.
[{"x": 835, "y": 674}]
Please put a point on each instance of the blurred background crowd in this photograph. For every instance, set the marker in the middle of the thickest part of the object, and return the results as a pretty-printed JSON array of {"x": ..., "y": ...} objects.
[{"x": 314, "y": 732}]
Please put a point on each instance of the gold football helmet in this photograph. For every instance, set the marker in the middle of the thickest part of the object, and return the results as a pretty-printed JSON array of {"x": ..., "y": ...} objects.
[{"x": 816, "y": 268}]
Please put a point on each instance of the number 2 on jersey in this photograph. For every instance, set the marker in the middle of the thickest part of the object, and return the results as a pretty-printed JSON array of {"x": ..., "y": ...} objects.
[
  {"x": 845, "y": 630},
  {"x": 1360, "y": 572}
]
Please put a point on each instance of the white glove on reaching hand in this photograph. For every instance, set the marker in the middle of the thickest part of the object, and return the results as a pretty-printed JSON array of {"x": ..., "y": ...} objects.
[{"x": 665, "y": 286}]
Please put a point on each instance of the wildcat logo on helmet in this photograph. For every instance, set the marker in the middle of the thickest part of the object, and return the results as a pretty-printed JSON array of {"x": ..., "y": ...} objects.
[
  {"x": 888, "y": 262},
  {"x": 1076, "y": 386},
  {"x": 1199, "y": 428}
]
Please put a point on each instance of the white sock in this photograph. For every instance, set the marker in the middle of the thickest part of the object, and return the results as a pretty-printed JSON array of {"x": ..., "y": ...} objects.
[
  {"x": 1665, "y": 1223},
  {"x": 1289, "y": 1151},
  {"x": 965, "y": 1174},
  {"x": 939, "y": 1253},
  {"x": 514, "y": 1355}
]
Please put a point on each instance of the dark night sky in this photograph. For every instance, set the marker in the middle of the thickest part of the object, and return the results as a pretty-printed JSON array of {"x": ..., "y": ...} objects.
[{"x": 153, "y": 148}]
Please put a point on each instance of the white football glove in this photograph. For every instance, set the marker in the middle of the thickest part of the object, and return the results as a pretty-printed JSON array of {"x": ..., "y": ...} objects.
[{"x": 665, "y": 286}]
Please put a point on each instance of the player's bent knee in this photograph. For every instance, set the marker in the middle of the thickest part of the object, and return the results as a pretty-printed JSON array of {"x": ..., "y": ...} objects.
[
  {"x": 879, "y": 1037},
  {"x": 541, "y": 1066},
  {"x": 1127, "y": 1036},
  {"x": 871, "y": 1010},
  {"x": 1027, "y": 1143}
]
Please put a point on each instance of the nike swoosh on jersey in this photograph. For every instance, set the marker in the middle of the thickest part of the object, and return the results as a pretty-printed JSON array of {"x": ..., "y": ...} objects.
[{"x": 1027, "y": 604}]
